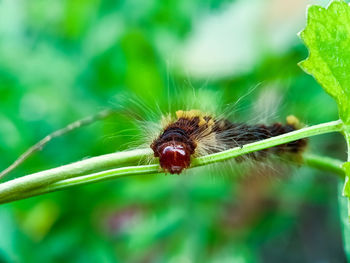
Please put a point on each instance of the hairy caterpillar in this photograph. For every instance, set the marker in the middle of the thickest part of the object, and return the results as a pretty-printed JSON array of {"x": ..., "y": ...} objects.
[{"x": 193, "y": 133}]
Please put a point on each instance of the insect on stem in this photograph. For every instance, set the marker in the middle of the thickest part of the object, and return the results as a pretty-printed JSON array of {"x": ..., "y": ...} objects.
[{"x": 194, "y": 134}]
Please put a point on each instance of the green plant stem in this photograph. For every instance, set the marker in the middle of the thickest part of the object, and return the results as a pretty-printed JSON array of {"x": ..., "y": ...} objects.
[
  {"x": 69, "y": 128},
  {"x": 86, "y": 179},
  {"x": 314, "y": 161},
  {"x": 347, "y": 138},
  {"x": 64, "y": 176},
  {"x": 325, "y": 164},
  {"x": 86, "y": 166}
]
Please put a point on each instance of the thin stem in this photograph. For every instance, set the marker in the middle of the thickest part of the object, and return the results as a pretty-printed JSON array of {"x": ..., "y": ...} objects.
[
  {"x": 346, "y": 132},
  {"x": 86, "y": 166},
  {"x": 324, "y": 164},
  {"x": 39, "y": 145},
  {"x": 86, "y": 179},
  {"x": 63, "y": 177},
  {"x": 347, "y": 138}
]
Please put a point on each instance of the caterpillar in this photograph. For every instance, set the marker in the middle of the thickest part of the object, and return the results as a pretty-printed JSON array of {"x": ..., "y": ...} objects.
[{"x": 194, "y": 133}]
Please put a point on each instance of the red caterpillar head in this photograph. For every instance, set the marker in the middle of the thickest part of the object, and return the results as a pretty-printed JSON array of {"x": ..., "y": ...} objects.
[
  {"x": 174, "y": 149},
  {"x": 178, "y": 142},
  {"x": 174, "y": 156}
]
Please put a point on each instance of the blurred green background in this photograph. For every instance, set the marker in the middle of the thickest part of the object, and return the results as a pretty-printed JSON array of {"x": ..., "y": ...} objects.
[{"x": 64, "y": 60}]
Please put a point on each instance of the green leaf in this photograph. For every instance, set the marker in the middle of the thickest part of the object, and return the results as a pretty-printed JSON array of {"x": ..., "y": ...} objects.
[{"x": 327, "y": 36}]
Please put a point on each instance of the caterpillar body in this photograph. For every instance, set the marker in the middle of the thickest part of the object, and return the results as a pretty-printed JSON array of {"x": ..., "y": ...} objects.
[{"x": 193, "y": 133}]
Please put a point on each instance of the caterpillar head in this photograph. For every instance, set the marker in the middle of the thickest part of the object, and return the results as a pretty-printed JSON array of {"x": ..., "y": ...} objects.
[
  {"x": 178, "y": 141},
  {"x": 174, "y": 149},
  {"x": 174, "y": 156}
]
